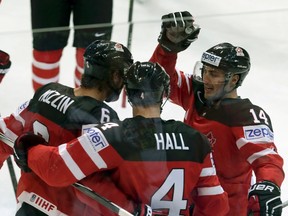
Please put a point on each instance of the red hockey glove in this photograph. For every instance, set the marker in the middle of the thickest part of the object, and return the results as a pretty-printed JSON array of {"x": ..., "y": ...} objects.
[
  {"x": 264, "y": 199},
  {"x": 177, "y": 31},
  {"x": 5, "y": 64},
  {"x": 145, "y": 210},
  {"x": 21, "y": 147}
]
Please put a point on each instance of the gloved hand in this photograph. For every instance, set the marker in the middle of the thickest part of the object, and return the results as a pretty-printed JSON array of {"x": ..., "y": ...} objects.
[
  {"x": 177, "y": 31},
  {"x": 264, "y": 197},
  {"x": 21, "y": 147},
  {"x": 5, "y": 64},
  {"x": 146, "y": 210}
]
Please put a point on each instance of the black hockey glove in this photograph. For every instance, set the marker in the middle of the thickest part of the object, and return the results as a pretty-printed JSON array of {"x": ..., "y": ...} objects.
[
  {"x": 177, "y": 31},
  {"x": 21, "y": 147},
  {"x": 264, "y": 199},
  {"x": 5, "y": 64}
]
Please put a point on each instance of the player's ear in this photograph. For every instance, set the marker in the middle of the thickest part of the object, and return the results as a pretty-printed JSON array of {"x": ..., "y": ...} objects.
[{"x": 234, "y": 79}]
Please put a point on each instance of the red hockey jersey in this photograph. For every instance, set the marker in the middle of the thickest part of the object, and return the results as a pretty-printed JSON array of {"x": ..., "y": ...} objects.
[
  {"x": 58, "y": 116},
  {"x": 165, "y": 164},
  {"x": 239, "y": 132}
]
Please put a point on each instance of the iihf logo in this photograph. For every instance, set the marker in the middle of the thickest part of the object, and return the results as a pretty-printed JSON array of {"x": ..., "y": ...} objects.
[{"x": 33, "y": 197}]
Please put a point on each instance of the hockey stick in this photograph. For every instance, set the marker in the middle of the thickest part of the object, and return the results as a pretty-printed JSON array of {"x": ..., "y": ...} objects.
[
  {"x": 10, "y": 143},
  {"x": 283, "y": 205},
  {"x": 103, "y": 201},
  {"x": 6, "y": 140},
  {"x": 130, "y": 31},
  {"x": 87, "y": 191},
  {"x": 12, "y": 174}
]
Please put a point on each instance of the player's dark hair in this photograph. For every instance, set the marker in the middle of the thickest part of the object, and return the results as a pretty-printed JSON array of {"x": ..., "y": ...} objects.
[{"x": 146, "y": 84}]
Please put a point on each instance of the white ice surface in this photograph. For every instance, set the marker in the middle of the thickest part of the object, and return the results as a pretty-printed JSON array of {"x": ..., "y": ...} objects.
[{"x": 260, "y": 26}]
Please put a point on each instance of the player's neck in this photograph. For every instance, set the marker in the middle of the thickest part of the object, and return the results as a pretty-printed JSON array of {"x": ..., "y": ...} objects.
[
  {"x": 147, "y": 112},
  {"x": 90, "y": 93}
]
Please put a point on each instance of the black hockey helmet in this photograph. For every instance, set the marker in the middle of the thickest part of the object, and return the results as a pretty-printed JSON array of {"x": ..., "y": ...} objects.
[
  {"x": 147, "y": 83},
  {"x": 102, "y": 56},
  {"x": 229, "y": 58}
]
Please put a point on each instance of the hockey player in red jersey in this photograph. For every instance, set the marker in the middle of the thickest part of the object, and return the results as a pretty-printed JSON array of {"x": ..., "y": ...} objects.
[
  {"x": 239, "y": 132},
  {"x": 163, "y": 163},
  {"x": 5, "y": 64},
  {"x": 59, "y": 113}
]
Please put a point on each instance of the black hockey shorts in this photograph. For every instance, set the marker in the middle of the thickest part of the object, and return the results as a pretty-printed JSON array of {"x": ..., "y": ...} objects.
[
  {"x": 51, "y": 20},
  {"x": 28, "y": 210}
]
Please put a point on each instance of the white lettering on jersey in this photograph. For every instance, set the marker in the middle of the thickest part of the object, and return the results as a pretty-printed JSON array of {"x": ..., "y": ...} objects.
[
  {"x": 39, "y": 203},
  {"x": 258, "y": 133},
  {"x": 170, "y": 142},
  {"x": 56, "y": 100}
]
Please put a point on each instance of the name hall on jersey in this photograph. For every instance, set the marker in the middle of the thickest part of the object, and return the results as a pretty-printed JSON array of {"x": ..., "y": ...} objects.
[{"x": 169, "y": 141}]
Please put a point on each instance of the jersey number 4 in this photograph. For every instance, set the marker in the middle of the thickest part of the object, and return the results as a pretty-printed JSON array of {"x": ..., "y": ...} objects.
[{"x": 175, "y": 181}]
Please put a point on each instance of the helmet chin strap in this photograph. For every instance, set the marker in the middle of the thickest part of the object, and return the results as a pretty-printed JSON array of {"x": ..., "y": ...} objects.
[
  {"x": 114, "y": 95},
  {"x": 217, "y": 99}
]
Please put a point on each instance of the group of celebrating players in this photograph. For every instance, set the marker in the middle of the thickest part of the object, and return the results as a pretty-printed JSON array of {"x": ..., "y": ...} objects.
[{"x": 145, "y": 164}]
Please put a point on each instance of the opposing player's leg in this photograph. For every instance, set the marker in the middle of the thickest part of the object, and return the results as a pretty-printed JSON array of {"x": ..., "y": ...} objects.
[
  {"x": 50, "y": 24},
  {"x": 92, "y": 20}
]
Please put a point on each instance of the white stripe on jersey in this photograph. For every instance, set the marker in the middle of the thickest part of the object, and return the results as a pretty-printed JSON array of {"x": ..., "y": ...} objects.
[
  {"x": 179, "y": 83},
  {"x": 207, "y": 191},
  {"x": 70, "y": 163},
  {"x": 242, "y": 142},
  {"x": 6, "y": 131},
  {"x": 208, "y": 172},
  {"x": 87, "y": 144},
  {"x": 257, "y": 155}
]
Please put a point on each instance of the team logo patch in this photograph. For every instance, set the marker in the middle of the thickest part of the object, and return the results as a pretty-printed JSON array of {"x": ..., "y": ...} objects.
[
  {"x": 97, "y": 139},
  {"x": 258, "y": 133},
  {"x": 239, "y": 51},
  {"x": 211, "y": 138},
  {"x": 119, "y": 47}
]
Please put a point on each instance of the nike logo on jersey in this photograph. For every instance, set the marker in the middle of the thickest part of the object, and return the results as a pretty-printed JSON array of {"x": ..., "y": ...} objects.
[
  {"x": 99, "y": 34},
  {"x": 170, "y": 141}
]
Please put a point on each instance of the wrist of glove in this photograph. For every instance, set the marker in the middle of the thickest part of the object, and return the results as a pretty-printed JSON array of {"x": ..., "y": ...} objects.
[
  {"x": 21, "y": 147},
  {"x": 178, "y": 31},
  {"x": 264, "y": 199},
  {"x": 5, "y": 62}
]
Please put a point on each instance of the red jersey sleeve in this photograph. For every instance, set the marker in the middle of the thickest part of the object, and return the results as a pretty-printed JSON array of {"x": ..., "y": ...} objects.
[
  {"x": 256, "y": 144},
  {"x": 11, "y": 127},
  {"x": 73, "y": 161},
  {"x": 180, "y": 83}
]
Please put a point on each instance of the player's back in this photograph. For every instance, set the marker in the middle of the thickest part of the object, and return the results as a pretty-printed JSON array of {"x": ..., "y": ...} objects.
[
  {"x": 162, "y": 161},
  {"x": 58, "y": 116}
]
